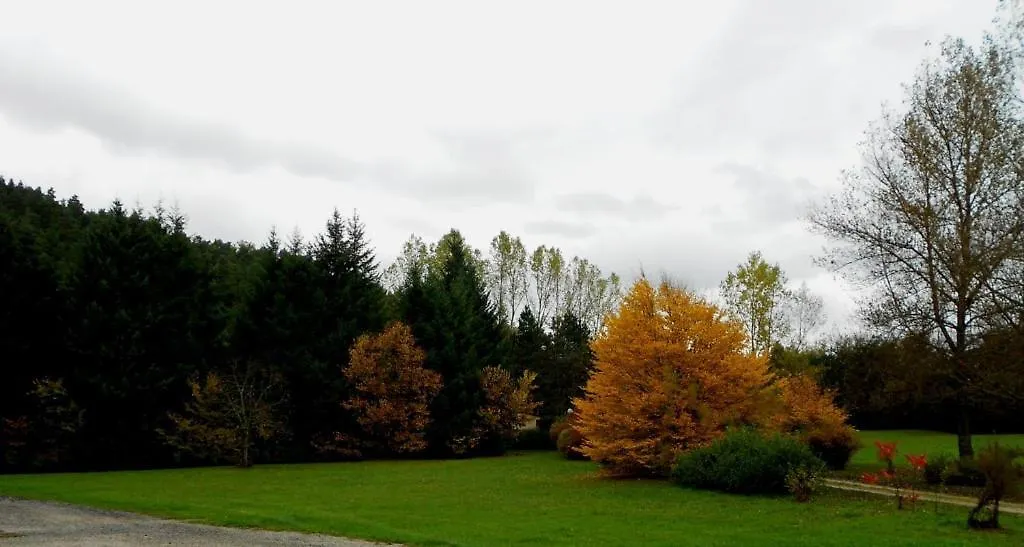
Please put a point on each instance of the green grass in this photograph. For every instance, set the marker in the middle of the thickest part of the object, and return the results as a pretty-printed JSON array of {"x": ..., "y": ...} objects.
[
  {"x": 921, "y": 442},
  {"x": 529, "y": 499}
]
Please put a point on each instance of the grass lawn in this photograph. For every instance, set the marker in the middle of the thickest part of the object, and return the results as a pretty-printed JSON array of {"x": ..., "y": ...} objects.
[
  {"x": 918, "y": 442},
  {"x": 528, "y": 499}
]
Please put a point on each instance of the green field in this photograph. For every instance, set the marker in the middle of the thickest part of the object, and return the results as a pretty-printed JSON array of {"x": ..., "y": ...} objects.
[
  {"x": 921, "y": 442},
  {"x": 526, "y": 499}
]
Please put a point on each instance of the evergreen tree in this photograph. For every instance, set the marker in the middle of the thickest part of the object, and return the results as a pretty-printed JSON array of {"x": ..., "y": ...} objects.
[
  {"x": 572, "y": 361},
  {"x": 531, "y": 350},
  {"x": 455, "y": 323},
  {"x": 141, "y": 320}
]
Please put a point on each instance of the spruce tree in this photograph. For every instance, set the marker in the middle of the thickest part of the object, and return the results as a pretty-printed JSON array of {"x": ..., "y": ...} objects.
[
  {"x": 455, "y": 323},
  {"x": 572, "y": 363}
]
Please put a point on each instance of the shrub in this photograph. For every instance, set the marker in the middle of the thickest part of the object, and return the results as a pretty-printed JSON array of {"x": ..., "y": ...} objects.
[
  {"x": 804, "y": 481},
  {"x": 900, "y": 480},
  {"x": 834, "y": 446},
  {"x": 533, "y": 439},
  {"x": 557, "y": 427},
  {"x": 671, "y": 372},
  {"x": 807, "y": 410},
  {"x": 746, "y": 462},
  {"x": 938, "y": 467},
  {"x": 965, "y": 473},
  {"x": 570, "y": 444},
  {"x": 1004, "y": 475}
]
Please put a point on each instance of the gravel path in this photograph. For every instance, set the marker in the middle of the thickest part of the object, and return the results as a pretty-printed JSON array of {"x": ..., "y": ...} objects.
[
  {"x": 24, "y": 522},
  {"x": 963, "y": 501}
]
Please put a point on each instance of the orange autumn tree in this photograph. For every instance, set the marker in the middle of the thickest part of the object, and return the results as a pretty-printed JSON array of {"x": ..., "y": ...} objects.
[
  {"x": 671, "y": 371},
  {"x": 392, "y": 388},
  {"x": 805, "y": 409}
]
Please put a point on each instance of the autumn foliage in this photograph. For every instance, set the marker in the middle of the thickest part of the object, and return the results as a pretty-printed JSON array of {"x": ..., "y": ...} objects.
[
  {"x": 228, "y": 413},
  {"x": 392, "y": 390},
  {"x": 671, "y": 372},
  {"x": 508, "y": 403},
  {"x": 805, "y": 409}
]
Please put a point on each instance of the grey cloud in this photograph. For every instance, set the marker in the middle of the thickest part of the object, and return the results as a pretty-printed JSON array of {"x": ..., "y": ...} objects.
[
  {"x": 558, "y": 227},
  {"x": 641, "y": 207},
  {"x": 701, "y": 261},
  {"x": 772, "y": 81},
  {"x": 768, "y": 199},
  {"x": 39, "y": 93}
]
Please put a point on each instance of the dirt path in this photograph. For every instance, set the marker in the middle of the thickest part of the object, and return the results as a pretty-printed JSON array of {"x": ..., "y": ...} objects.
[
  {"x": 1004, "y": 507},
  {"x": 24, "y": 523}
]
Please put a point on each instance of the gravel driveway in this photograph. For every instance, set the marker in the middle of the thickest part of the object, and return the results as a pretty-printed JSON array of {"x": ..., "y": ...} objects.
[{"x": 34, "y": 523}]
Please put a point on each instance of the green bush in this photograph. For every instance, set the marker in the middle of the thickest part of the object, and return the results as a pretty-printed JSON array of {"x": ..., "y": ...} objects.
[
  {"x": 937, "y": 467},
  {"x": 533, "y": 439},
  {"x": 834, "y": 446},
  {"x": 745, "y": 462},
  {"x": 965, "y": 473}
]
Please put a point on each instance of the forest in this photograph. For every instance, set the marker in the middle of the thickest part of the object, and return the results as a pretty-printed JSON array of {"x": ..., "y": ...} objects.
[{"x": 122, "y": 335}]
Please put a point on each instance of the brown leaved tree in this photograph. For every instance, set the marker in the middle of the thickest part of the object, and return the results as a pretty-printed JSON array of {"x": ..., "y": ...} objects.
[{"x": 392, "y": 390}]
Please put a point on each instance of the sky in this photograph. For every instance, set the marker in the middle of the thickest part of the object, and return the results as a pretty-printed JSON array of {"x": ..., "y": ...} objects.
[{"x": 669, "y": 137}]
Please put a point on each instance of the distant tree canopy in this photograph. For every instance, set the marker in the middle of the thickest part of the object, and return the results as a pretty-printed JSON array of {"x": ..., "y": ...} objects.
[{"x": 117, "y": 324}]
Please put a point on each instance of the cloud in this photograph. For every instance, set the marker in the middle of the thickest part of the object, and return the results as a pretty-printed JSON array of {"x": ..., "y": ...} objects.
[
  {"x": 767, "y": 199},
  {"x": 561, "y": 228},
  {"x": 39, "y": 93},
  {"x": 595, "y": 203}
]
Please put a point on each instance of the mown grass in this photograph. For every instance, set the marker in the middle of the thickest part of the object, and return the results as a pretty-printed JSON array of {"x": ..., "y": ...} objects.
[
  {"x": 534, "y": 498},
  {"x": 921, "y": 442}
]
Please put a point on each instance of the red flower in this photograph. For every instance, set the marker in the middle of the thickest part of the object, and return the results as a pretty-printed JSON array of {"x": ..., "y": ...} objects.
[
  {"x": 886, "y": 451},
  {"x": 869, "y": 478},
  {"x": 918, "y": 461},
  {"x": 887, "y": 475}
]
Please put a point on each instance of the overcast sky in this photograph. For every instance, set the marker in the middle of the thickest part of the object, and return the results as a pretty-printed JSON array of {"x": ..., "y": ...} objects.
[{"x": 676, "y": 136}]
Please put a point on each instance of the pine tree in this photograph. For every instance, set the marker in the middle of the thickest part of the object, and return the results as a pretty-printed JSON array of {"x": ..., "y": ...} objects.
[
  {"x": 572, "y": 362},
  {"x": 457, "y": 326}
]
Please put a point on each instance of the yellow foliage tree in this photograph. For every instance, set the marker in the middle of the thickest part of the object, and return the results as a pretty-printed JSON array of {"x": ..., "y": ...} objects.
[
  {"x": 804, "y": 406},
  {"x": 508, "y": 402},
  {"x": 804, "y": 409},
  {"x": 671, "y": 372}
]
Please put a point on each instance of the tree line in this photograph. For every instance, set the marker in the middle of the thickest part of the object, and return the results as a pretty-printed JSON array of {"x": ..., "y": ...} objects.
[{"x": 118, "y": 328}]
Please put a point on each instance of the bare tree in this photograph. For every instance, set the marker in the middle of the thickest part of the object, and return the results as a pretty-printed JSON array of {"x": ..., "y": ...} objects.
[
  {"x": 507, "y": 275},
  {"x": 932, "y": 222},
  {"x": 547, "y": 267},
  {"x": 806, "y": 313}
]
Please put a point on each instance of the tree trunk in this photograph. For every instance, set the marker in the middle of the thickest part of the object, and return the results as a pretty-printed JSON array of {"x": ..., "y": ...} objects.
[
  {"x": 963, "y": 433},
  {"x": 245, "y": 450}
]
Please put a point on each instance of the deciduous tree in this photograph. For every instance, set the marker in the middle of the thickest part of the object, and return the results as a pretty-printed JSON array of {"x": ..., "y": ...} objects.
[
  {"x": 229, "y": 411},
  {"x": 932, "y": 222},
  {"x": 671, "y": 372},
  {"x": 507, "y": 273},
  {"x": 507, "y": 404},
  {"x": 392, "y": 390},
  {"x": 756, "y": 294},
  {"x": 805, "y": 313}
]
